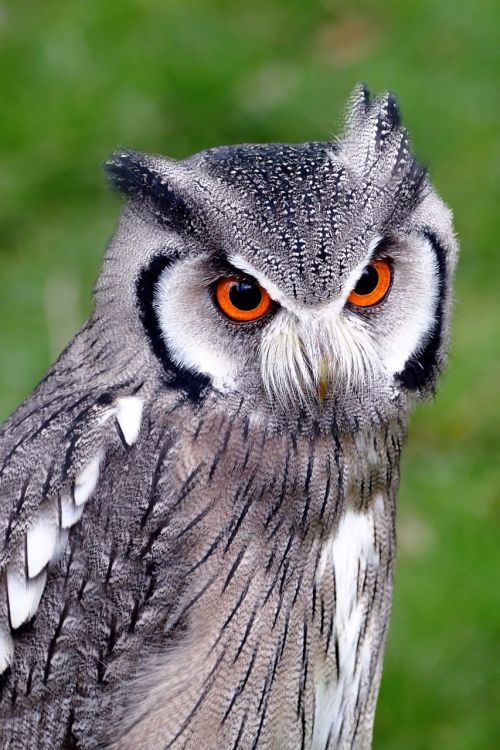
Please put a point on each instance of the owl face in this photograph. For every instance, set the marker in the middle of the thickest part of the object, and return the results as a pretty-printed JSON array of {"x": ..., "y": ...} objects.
[{"x": 304, "y": 281}]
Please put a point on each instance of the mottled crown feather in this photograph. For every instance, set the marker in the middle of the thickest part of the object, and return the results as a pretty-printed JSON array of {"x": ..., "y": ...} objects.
[{"x": 374, "y": 148}]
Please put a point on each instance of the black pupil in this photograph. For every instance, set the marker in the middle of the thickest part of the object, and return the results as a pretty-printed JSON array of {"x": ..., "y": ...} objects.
[
  {"x": 245, "y": 296},
  {"x": 367, "y": 282}
]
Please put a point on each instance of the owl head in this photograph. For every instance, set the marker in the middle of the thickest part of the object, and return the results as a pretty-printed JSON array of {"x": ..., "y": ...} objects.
[{"x": 305, "y": 283}]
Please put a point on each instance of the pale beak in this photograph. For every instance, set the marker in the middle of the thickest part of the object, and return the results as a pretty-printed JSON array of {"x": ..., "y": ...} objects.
[{"x": 324, "y": 379}]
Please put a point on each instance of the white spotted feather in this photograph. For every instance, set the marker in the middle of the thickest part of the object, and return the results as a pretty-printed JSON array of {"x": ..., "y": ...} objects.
[{"x": 24, "y": 595}]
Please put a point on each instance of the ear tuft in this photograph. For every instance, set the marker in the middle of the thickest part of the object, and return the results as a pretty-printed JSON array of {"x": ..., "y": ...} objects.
[
  {"x": 393, "y": 112},
  {"x": 141, "y": 177},
  {"x": 375, "y": 148},
  {"x": 374, "y": 136},
  {"x": 127, "y": 171},
  {"x": 357, "y": 107},
  {"x": 377, "y": 118}
]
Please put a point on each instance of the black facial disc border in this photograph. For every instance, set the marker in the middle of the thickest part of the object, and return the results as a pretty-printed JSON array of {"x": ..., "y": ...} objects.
[
  {"x": 420, "y": 369},
  {"x": 194, "y": 385}
]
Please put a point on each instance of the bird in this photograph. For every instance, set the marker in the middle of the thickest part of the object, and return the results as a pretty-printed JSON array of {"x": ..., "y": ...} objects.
[{"x": 197, "y": 502}]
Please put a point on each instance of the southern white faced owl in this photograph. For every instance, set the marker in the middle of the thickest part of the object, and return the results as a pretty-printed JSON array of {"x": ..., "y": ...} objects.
[{"x": 197, "y": 502}]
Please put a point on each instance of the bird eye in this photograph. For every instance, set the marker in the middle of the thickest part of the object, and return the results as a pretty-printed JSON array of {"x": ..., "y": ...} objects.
[
  {"x": 242, "y": 299},
  {"x": 372, "y": 285}
]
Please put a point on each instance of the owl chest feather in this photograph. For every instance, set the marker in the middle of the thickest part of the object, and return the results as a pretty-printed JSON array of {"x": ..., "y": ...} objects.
[
  {"x": 259, "y": 589},
  {"x": 285, "y": 621}
]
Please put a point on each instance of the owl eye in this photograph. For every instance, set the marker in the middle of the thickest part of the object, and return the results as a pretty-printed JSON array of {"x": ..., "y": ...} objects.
[
  {"x": 242, "y": 299},
  {"x": 372, "y": 285}
]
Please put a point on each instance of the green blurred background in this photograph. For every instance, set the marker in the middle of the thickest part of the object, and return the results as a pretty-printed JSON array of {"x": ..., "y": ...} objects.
[{"x": 79, "y": 78}]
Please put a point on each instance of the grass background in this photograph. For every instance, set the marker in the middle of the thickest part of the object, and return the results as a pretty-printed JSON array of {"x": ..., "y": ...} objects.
[{"x": 175, "y": 76}]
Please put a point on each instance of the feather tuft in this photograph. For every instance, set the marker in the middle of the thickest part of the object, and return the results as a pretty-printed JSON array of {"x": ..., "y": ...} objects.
[
  {"x": 70, "y": 513},
  {"x": 41, "y": 540},
  {"x": 140, "y": 177},
  {"x": 86, "y": 481},
  {"x": 301, "y": 357},
  {"x": 23, "y": 595},
  {"x": 6, "y": 650},
  {"x": 129, "y": 417}
]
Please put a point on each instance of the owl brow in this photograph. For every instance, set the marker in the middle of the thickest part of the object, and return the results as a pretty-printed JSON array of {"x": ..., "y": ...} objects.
[
  {"x": 381, "y": 248},
  {"x": 374, "y": 251},
  {"x": 226, "y": 268}
]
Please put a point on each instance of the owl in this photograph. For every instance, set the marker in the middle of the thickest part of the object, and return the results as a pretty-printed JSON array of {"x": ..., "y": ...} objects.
[{"x": 197, "y": 503}]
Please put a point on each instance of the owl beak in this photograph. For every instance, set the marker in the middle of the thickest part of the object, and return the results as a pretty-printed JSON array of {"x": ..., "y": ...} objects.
[{"x": 324, "y": 379}]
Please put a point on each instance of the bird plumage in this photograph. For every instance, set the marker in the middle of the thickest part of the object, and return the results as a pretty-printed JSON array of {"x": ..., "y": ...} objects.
[{"x": 197, "y": 514}]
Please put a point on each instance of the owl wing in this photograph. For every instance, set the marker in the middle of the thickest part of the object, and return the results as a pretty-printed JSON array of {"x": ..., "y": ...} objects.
[{"x": 51, "y": 451}]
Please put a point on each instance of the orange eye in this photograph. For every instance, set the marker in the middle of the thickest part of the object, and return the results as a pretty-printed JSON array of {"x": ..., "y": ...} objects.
[
  {"x": 242, "y": 299},
  {"x": 372, "y": 285}
]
